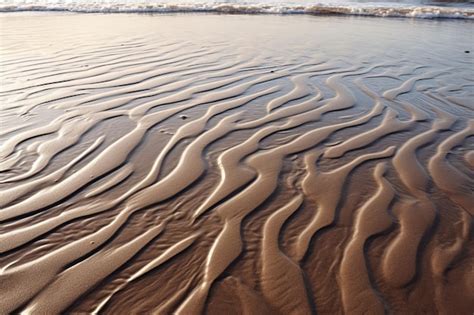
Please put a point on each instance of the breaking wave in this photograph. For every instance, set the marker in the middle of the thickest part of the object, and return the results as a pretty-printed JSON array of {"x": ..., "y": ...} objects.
[{"x": 381, "y": 9}]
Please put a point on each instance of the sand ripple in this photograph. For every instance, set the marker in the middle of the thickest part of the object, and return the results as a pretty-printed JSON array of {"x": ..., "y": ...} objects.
[{"x": 160, "y": 176}]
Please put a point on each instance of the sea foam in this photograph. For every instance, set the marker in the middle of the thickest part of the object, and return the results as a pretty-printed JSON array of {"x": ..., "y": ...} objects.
[{"x": 381, "y": 9}]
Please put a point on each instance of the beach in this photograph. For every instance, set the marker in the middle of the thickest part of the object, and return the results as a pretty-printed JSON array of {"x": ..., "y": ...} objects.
[{"x": 203, "y": 163}]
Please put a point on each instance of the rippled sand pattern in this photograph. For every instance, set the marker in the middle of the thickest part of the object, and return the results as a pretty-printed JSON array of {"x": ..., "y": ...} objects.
[{"x": 236, "y": 165}]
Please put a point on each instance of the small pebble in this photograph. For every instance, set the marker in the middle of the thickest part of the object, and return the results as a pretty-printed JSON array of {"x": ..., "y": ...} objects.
[
  {"x": 183, "y": 117},
  {"x": 467, "y": 51}
]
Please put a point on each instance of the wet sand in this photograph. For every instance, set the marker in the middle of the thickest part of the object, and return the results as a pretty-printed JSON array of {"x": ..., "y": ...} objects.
[{"x": 236, "y": 164}]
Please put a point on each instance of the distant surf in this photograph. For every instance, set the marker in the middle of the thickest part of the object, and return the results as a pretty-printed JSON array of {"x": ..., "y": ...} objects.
[
  {"x": 235, "y": 164},
  {"x": 380, "y": 9}
]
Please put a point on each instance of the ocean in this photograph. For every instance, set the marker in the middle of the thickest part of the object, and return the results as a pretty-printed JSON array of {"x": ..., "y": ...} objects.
[
  {"x": 411, "y": 9},
  {"x": 200, "y": 158}
]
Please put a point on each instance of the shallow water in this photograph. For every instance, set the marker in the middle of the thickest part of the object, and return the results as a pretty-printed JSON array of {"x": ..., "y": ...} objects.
[{"x": 235, "y": 163}]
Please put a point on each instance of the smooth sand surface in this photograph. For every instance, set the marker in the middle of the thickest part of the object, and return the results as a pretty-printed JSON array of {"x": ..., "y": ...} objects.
[{"x": 236, "y": 164}]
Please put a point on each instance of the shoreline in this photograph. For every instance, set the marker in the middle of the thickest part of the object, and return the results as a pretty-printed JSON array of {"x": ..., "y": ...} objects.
[{"x": 383, "y": 10}]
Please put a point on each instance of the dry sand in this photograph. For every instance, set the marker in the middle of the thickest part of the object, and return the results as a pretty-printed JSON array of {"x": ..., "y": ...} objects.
[{"x": 236, "y": 164}]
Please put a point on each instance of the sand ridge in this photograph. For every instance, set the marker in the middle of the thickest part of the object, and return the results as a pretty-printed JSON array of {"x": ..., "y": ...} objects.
[{"x": 159, "y": 168}]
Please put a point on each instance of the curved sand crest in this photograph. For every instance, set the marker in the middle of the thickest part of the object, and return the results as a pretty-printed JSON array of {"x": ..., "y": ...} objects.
[{"x": 172, "y": 171}]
